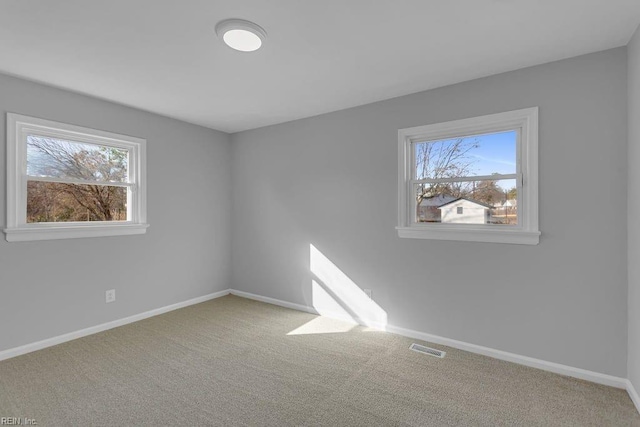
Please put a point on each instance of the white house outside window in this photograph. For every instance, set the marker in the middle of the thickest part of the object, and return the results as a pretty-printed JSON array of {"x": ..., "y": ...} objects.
[
  {"x": 473, "y": 179},
  {"x": 67, "y": 181}
]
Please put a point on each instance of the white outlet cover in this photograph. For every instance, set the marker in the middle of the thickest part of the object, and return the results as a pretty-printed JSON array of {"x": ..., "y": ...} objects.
[{"x": 110, "y": 295}]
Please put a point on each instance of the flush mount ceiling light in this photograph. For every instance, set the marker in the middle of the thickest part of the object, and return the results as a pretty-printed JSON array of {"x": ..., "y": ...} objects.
[{"x": 241, "y": 35}]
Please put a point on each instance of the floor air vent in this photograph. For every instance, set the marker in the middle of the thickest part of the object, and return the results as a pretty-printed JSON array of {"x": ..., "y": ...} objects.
[{"x": 427, "y": 350}]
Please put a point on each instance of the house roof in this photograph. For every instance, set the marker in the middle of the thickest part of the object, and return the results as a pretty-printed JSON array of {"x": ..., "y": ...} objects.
[
  {"x": 484, "y": 205},
  {"x": 437, "y": 201}
]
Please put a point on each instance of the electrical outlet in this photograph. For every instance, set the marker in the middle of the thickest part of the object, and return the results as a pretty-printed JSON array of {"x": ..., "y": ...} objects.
[
  {"x": 110, "y": 296},
  {"x": 369, "y": 293}
]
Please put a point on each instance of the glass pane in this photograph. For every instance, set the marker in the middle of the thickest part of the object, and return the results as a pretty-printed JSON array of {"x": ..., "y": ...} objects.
[
  {"x": 472, "y": 202},
  {"x": 55, "y": 202},
  {"x": 50, "y": 157},
  {"x": 474, "y": 155}
]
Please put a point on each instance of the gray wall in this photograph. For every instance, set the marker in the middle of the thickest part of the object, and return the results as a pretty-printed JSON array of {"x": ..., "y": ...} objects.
[
  {"x": 48, "y": 288},
  {"x": 634, "y": 211},
  {"x": 331, "y": 181}
]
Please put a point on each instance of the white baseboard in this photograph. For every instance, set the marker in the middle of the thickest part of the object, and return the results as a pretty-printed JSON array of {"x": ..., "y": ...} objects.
[
  {"x": 28, "y": 348},
  {"x": 633, "y": 394},
  {"x": 306, "y": 308},
  {"x": 557, "y": 368},
  {"x": 274, "y": 301}
]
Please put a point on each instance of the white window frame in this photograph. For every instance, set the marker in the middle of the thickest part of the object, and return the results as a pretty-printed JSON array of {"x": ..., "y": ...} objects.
[
  {"x": 526, "y": 232},
  {"x": 19, "y": 127}
]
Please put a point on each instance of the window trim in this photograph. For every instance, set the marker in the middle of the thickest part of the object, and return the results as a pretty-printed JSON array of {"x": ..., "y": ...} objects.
[
  {"x": 17, "y": 229},
  {"x": 526, "y": 232}
]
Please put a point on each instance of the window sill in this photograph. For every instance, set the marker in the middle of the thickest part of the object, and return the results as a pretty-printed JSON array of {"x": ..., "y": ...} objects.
[
  {"x": 36, "y": 232},
  {"x": 517, "y": 237}
]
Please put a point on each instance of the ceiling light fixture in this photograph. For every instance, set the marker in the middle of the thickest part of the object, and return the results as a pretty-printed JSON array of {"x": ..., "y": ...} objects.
[{"x": 241, "y": 35}]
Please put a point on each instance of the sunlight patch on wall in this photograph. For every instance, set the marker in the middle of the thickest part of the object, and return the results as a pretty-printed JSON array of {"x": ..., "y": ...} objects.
[
  {"x": 326, "y": 305},
  {"x": 338, "y": 290}
]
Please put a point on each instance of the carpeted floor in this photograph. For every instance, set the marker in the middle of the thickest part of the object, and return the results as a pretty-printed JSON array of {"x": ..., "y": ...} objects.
[{"x": 233, "y": 361}]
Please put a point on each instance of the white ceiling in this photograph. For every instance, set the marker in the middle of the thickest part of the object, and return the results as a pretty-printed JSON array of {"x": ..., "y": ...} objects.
[{"x": 320, "y": 56}]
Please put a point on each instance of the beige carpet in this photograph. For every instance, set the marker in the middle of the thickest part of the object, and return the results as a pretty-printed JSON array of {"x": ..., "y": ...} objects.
[{"x": 234, "y": 361}]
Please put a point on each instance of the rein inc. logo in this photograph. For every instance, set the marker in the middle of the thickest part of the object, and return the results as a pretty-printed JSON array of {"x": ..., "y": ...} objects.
[{"x": 18, "y": 421}]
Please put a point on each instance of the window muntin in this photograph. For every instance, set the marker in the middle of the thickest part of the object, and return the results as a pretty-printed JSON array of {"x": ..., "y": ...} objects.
[
  {"x": 66, "y": 181},
  {"x": 486, "y": 165}
]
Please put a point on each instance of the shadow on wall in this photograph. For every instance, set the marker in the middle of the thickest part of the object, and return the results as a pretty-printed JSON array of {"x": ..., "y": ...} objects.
[{"x": 336, "y": 296}]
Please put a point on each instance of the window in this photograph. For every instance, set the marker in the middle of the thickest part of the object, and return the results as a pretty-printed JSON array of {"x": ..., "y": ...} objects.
[
  {"x": 66, "y": 181},
  {"x": 472, "y": 180}
]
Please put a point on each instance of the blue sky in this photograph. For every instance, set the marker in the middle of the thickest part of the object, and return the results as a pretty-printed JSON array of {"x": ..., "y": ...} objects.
[{"x": 496, "y": 153}]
